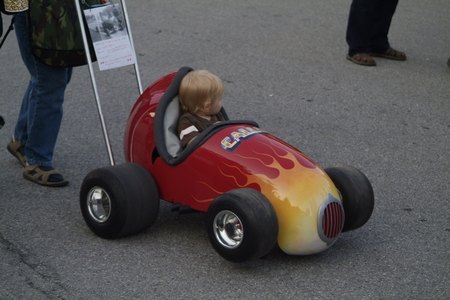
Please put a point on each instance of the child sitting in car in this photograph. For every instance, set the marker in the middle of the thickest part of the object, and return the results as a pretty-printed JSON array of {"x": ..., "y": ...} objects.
[{"x": 200, "y": 96}]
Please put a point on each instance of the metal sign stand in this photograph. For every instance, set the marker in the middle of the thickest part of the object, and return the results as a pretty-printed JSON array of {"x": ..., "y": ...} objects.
[{"x": 91, "y": 71}]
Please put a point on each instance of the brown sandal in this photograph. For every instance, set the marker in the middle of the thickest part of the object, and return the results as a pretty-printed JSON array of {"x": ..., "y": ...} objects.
[
  {"x": 16, "y": 149},
  {"x": 364, "y": 59},
  {"x": 49, "y": 177},
  {"x": 391, "y": 53}
]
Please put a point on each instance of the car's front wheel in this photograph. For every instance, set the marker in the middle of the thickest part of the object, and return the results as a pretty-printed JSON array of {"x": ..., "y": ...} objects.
[
  {"x": 242, "y": 225},
  {"x": 357, "y": 195},
  {"x": 119, "y": 200}
]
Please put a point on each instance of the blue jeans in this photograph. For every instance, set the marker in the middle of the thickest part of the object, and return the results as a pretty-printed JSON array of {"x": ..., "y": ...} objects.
[{"x": 42, "y": 105}]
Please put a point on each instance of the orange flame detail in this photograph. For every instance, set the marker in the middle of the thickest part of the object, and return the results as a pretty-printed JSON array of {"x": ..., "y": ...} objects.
[{"x": 293, "y": 184}]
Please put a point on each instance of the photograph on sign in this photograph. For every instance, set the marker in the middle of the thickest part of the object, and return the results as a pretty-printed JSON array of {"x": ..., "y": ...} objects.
[{"x": 109, "y": 34}]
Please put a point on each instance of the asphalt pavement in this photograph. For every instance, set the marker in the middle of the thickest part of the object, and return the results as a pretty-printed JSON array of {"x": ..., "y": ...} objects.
[{"x": 284, "y": 66}]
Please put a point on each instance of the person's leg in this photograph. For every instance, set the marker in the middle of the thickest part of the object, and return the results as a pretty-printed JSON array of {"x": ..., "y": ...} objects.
[
  {"x": 20, "y": 131},
  {"x": 16, "y": 145},
  {"x": 382, "y": 22},
  {"x": 358, "y": 33},
  {"x": 41, "y": 111},
  {"x": 359, "y": 26},
  {"x": 45, "y": 111},
  {"x": 21, "y": 29}
]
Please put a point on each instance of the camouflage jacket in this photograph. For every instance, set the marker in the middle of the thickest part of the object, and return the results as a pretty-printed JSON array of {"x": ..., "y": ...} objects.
[{"x": 56, "y": 37}]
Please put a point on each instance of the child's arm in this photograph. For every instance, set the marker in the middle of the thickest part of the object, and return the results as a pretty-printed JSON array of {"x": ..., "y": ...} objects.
[{"x": 186, "y": 131}]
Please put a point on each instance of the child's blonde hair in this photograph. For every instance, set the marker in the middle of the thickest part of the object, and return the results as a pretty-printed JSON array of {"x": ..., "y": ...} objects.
[{"x": 197, "y": 87}]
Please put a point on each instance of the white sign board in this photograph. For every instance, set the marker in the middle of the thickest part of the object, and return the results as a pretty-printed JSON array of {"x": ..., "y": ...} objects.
[{"x": 108, "y": 31}]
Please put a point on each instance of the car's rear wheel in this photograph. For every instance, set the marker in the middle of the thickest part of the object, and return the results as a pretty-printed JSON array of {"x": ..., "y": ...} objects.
[
  {"x": 357, "y": 195},
  {"x": 119, "y": 200},
  {"x": 242, "y": 225}
]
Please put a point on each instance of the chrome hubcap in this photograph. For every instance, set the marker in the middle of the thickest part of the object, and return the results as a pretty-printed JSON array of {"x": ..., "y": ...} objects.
[
  {"x": 99, "y": 204},
  {"x": 228, "y": 229}
]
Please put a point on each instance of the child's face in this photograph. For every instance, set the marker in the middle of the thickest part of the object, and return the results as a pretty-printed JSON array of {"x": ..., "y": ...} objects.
[
  {"x": 216, "y": 106},
  {"x": 213, "y": 107}
]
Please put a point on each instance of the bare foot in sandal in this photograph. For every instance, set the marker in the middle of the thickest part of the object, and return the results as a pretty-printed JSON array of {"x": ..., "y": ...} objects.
[
  {"x": 364, "y": 59},
  {"x": 46, "y": 176}
]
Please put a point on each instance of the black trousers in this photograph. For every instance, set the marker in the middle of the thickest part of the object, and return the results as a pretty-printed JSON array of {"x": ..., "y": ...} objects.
[{"x": 368, "y": 25}]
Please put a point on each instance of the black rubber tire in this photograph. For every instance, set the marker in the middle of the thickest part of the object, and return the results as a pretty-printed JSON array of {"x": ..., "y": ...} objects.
[
  {"x": 260, "y": 224},
  {"x": 134, "y": 200},
  {"x": 357, "y": 195}
]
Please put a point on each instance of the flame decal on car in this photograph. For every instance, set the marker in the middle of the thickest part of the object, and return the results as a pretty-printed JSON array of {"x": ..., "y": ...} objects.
[{"x": 294, "y": 185}]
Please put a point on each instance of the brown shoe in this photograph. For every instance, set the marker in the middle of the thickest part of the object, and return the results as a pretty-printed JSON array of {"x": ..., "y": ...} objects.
[
  {"x": 391, "y": 53},
  {"x": 364, "y": 59},
  {"x": 16, "y": 149}
]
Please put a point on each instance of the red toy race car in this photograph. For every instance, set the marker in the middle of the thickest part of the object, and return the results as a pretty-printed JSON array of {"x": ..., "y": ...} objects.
[{"x": 256, "y": 190}]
